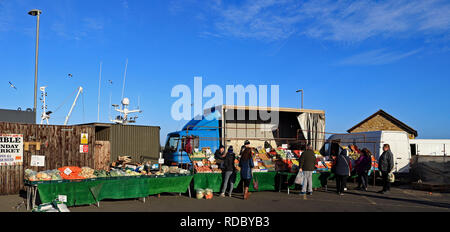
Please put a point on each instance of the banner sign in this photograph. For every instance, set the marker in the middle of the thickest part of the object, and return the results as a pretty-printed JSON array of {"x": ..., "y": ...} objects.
[{"x": 11, "y": 149}]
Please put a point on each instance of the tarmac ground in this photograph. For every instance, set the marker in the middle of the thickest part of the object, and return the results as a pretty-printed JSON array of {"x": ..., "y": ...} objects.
[{"x": 400, "y": 199}]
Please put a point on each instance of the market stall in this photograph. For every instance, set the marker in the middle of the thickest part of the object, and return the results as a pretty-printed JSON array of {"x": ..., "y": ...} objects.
[
  {"x": 85, "y": 186},
  {"x": 272, "y": 168}
]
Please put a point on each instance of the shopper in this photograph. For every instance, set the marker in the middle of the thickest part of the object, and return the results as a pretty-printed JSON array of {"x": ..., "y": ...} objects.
[
  {"x": 362, "y": 167},
  {"x": 229, "y": 171},
  {"x": 386, "y": 166},
  {"x": 246, "y": 164},
  {"x": 342, "y": 171},
  {"x": 307, "y": 165},
  {"x": 219, "y": 155},
  {"x": 244, "y": 147}
]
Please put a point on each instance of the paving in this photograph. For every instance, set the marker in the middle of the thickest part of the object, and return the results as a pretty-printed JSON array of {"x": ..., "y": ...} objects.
[{"x": 400, "y": 199}]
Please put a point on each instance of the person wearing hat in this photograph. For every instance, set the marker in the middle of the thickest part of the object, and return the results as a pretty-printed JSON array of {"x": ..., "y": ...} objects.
[
  {"x": 229, "y": 172},
  {"x": 245, "y": 146},
  {"x": 342, "y": 170}
]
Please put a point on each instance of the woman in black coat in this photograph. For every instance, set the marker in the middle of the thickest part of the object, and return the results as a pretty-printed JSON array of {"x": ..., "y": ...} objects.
[{"x": 342, "y": 170}]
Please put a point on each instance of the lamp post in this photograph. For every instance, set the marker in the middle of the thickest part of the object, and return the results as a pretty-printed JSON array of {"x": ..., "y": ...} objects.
[
  {"x": 36, "y": 12},
  {"x": 301, "y": 90}
]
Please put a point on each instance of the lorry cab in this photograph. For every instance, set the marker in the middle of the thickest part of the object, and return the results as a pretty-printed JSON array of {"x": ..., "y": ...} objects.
[{"x": 204, "y": 133}]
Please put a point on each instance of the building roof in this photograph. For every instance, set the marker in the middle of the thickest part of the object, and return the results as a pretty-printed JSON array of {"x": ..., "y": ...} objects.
[
  {"x": 280, "y": 109},
  {"x": 100, "y": 124},
  {"x": 389, "y": 117}
]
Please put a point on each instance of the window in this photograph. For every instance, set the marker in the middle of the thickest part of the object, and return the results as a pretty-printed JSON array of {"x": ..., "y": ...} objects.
[{"x": 172, "y": 143}]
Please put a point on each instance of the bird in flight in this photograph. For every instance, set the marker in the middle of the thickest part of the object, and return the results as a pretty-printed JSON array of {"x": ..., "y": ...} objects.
[
  {"x": 70, "y": 75},
  {"x": 110, "y": 82},
  {"x": 12, "y": 86}
]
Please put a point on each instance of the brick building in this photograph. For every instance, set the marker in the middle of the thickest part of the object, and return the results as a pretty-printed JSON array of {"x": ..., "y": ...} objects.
[{"x": 383, "y": 121}]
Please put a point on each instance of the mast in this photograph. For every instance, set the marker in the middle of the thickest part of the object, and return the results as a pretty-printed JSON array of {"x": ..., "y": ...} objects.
[
  {"x": 80, "y": 89},
  {"x": 99, "y": 86}
]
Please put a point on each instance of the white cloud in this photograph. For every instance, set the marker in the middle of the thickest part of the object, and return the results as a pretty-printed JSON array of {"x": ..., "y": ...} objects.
[
  {"x": 69, "y": 30},
  {"x": 376, "y": 57},
  {"x": 5, "y": 16},
  {"x": 341, "y": 21}
]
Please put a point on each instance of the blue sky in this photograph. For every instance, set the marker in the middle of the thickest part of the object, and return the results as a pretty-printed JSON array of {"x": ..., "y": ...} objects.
[{"x": 351, "y": 58}]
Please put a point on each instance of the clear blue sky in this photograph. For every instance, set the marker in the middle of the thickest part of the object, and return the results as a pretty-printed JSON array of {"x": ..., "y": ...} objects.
[{"x": 351, "y": 58}]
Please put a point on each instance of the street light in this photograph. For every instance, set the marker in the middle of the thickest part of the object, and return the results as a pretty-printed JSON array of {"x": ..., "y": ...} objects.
[
  {"x": 301, "y": 90},
  {"x": 36, "y": 12}
]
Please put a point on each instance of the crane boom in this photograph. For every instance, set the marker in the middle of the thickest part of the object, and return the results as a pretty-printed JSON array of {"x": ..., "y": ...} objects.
[{"x": 80, "y": 89}]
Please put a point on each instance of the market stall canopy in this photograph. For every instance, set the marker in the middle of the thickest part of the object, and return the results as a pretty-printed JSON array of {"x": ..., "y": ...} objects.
[{"x": 313, "y": 128}]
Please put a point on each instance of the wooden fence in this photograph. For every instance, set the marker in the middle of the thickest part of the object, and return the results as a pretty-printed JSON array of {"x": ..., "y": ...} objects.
[{"x": 59, "y": 144}]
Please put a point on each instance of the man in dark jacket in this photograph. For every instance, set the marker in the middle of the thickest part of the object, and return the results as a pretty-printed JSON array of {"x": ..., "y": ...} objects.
[
  {"x": 307, "y": 165},
  {"x": 229, "y": 172},
  {"x": 385, "y": 165}
]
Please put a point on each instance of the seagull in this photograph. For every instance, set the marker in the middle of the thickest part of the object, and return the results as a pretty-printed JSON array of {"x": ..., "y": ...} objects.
[{"x": 12, "y": 86}]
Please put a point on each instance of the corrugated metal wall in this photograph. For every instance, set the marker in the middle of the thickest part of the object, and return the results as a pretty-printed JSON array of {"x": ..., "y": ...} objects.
[
  {"x": 102, "y": 133},
  {"x": 17, "y": 116},
  {"x": 134, "y": 141}
]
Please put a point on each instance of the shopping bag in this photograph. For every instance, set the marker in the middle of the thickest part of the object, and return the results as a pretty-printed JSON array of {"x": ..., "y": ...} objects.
[
  {"x": 255, "y": 184},
  {"x": 391, "y": 177},
  {"x": 299, "y": 178}
]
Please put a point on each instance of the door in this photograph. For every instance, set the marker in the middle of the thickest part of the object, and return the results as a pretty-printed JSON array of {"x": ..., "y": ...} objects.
[{"x": 400, "y": 148}]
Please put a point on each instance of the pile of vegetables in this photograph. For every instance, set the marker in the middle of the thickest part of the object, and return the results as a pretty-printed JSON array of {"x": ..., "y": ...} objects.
[
  {"x": 208, "y": 194},
  {"x": 73, "y": 173},
  {"x": 42, "y": 176},
  {"x": 101, "y": 173},
  {"x": 200, "y": 194},
  {"x": 87, "y": 173},
  {"x": 116, "y": 173}
]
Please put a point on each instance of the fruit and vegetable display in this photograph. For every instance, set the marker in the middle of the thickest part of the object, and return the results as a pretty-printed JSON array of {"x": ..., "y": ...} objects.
[
  {"x": 77, "y": 173},
  {"x": 42, "y": 176},
  {"x": 87, "y": 173}
]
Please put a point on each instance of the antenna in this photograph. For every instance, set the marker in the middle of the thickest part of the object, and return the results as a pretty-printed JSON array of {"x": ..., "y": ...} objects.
[
  {"x": 45, "y": 115},
  {"x": 110, "y": 102},
  {"x": 124, "y": 77},
  {"x": 123, "y": 118},
  {"x": 139, "y": 102},
  {"x": 99, "y": 86}
]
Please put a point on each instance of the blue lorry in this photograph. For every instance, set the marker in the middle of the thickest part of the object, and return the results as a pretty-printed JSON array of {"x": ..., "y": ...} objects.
[{"x": 222, "y": 125}]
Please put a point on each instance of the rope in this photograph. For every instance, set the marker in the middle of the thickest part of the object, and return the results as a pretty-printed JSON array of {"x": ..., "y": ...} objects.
[{"x": 65, "y": 101}]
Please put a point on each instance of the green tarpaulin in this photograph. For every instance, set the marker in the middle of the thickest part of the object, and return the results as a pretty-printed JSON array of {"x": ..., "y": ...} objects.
[
  {"x": 267, "y": 181},
  {"x": 90, "y": 192},
  {"x": 319, "y": 179}
]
